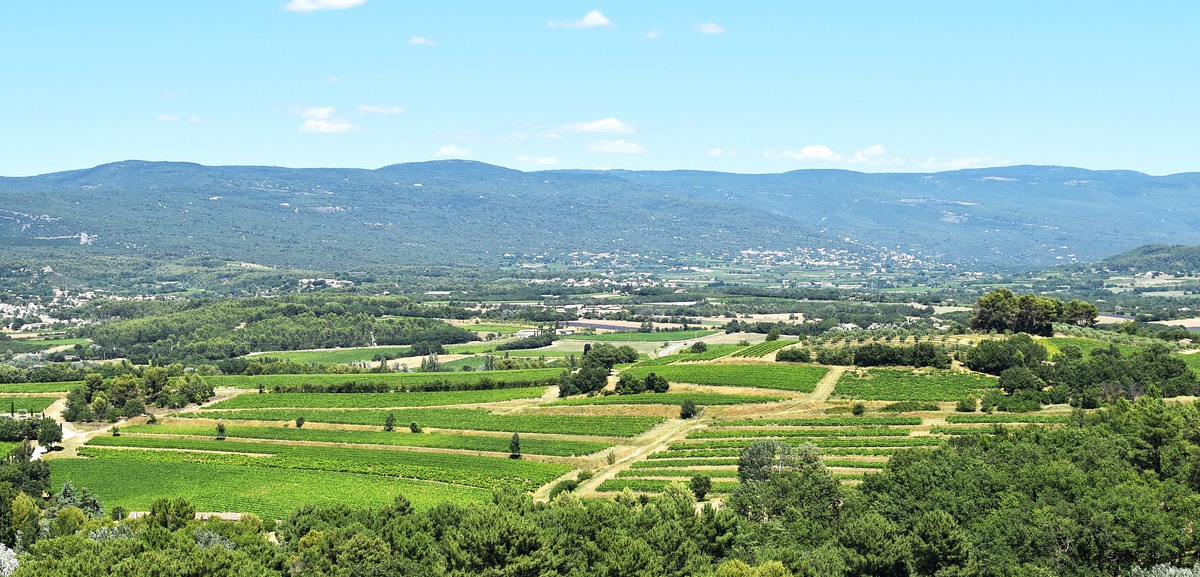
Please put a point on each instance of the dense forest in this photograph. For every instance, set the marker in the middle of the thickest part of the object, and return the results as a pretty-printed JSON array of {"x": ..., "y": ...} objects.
[{"x": 207, "y": 330}]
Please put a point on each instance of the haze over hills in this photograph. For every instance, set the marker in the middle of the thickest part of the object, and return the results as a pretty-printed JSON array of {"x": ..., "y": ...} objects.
[{"x": 463, "y": 212}]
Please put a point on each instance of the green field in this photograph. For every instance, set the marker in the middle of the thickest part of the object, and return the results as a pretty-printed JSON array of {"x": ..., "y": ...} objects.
[
  {"x": 498, "y": 329},
  {"x": 59, "y": 387},
  {"x": 763, "y": 349},
  {"x": 821, "y": 422},
  {"x": 372, "y": 400},
  {"x": 398, "y": 380},
  {"x": 1055, "y": 344},
  {"x": 9, "y": 405},
  {"x": 757, "y": 432},
  {"x": 337, "y": 356},
  {"x": 460, "y": 469},
  {"x": 802, "y": 378},
  {"x": 657, "y": 486},
  {"x": 636, "y": 337},
  {"x": 20, "y": 346},
  {"x": 461, "y": 419},
  {"x": 666, "y": 399},
  {"x": 901, "y": 385},
  {"x": 713, "y": 352},
  {"x": 976, "y": 418},
  {"x": 210, "y": 487},
  {"x": 401, "y": 437}
]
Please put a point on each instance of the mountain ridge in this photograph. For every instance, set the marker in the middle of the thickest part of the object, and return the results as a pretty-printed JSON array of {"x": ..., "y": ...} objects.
[{"x": 470, "y": 212}]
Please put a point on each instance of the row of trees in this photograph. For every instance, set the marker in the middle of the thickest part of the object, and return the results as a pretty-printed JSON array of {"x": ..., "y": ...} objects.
[
  {"x": 127, "y": 395},
  {"x": 598, "y": 362}
]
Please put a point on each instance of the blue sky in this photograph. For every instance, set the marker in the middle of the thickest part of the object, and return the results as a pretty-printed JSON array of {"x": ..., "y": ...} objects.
[{"x": 740, "y": 87}]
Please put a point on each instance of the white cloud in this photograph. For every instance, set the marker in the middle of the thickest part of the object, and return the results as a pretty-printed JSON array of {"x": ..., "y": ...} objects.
[
  {"x": 651, "y": 34},
  {"x": 592, "y": 19},
  {"x": 958, "y": 163},
  {"x": 812, "y": 152},
  {"x": 537, "y": 159},
  {"x": 608, "y": 125},
  {"x": 365, "y": 109},
  {"x": 168, "y": 118},
  {"x": 616, "y": 146},
  {"x": 195, "y": 119},
  {"x": 312, "y": 5},
  {"x": 452, "y": 151},
  {"x": 323, "y": 119},
  {"x": 420, "y": 41},
  {"x": 710, "y": 28},
  {"x": 333, "y": 79}
]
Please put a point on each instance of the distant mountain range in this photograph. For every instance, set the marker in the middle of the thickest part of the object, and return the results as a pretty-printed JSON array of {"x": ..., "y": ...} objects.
[{"x": 470, "y": 213}]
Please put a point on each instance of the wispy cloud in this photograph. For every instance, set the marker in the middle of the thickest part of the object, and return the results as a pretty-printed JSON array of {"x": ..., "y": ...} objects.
[
  {"x": 593, "y": 19},
  {"x": 958, "y": 163},
  {"x": 365, "y": 109},
  {"x": 168, "y": 118},
  {"x": 314, "y": 5},
  {"x": 651, "y": 34},
  {"x": 617, "y": 147},
  {"x": 608, "y": 125},
  {"x": 542, "y": 160},
  {"x": 710, "y": 28},
  {"x": 421, "y": 41},
  {"x": 452, "y": 151},
  {"x": 324, "y": 119},
  {"x": 874, "y": 155}
]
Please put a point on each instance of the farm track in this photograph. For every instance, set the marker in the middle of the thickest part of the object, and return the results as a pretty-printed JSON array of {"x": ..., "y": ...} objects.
[{"x": 659, "y": 437}]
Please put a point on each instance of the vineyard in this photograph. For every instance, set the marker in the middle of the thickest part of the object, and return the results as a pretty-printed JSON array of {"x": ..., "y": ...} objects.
[
  {"x": 399, "y": 381},
  {"x": 763, "y": 349},
  {"x": 768, "y": 376},
  {"x": 375, "y": 400},
  {"x": 667, "y": 399},
  {"x": 13, "y": 405}
]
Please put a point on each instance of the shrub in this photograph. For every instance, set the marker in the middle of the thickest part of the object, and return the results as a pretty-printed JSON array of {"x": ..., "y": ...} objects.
[
  {"x": 858, "y": 409},
  {"x": 687, "y": 410}
]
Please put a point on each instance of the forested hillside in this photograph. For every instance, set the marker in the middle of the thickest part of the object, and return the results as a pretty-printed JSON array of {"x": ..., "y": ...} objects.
[{"x": 459, "y": 212}]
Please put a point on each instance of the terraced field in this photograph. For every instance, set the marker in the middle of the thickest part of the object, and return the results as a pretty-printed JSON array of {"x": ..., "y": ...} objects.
[
  {"x": 458, "y": 419},
  {"x": 399, "y": 381},
  {"x": 713, "y": 352},
  {"x": 666, "y": 399},
  {"x": 768, "y": 376},
  {"x": 373, "y": 400}
]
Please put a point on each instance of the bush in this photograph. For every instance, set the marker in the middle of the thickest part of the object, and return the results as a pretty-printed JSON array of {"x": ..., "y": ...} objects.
[
  {"x": 299, "y": 422},
  {"x": 966, "y": 405},
  {"x": 687, "y": 410},
  {"x": 698, "y": 347},
  {"x": 414, "y": 427},
  {"x": 858, "y": 409},
  {"x": 700, "y": 486},
  {"x": 794, "y": 355}
]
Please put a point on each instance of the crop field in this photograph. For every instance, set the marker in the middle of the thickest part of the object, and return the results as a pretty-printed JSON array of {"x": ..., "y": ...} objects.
[
  {"x": 399, "y": 438},
  {"x": 59, "y": 387},
  {"x": 713, "y": 352},
  {"x": 1055, "y": 345},
  {"x": 667, "y": 399},
  {"x": 755, "y": 432},
  {"x": 493, "y": 328},
  {"x": 134, "y": 484},
  {"x": 470, "y": 470},
  {"x": 373, "y": 400},
  {"x": 821, "y": 422},
  {"x": 901, "y": 385},
  {"x": 1017, "y": 418},
  {"x": 461, "y": 419},
  {"x": 657, "y": 486},
  {"x": 632, "y": 336},
  {"x": 9, "y": 405},
  {"x": 785, "y": 377},
  {"x": 337, "y": 356},
  {"x": 398, "y": 380},
  {"x": 763, "y": 349}
]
